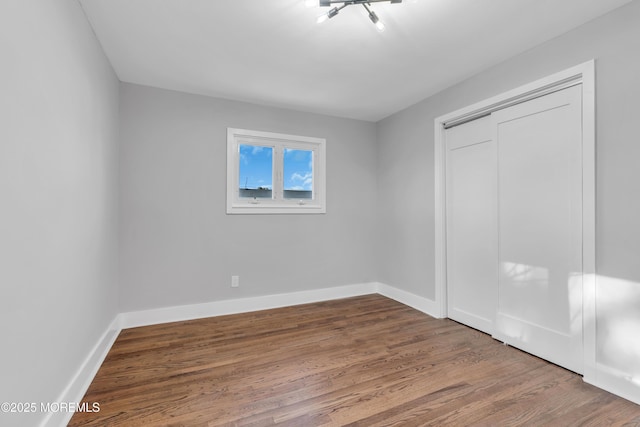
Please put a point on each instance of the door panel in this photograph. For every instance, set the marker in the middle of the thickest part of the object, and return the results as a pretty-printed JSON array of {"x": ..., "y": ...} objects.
[
  {"x": 471, "y": 188},
  {"x": 540, "y": 227}
]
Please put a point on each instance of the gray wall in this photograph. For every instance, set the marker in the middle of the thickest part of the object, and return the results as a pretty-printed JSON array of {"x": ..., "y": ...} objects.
[
  {"x": 406, "y": 175},
  {"x": 58, "y": 142},
  {"x": 178, "y": 245}
]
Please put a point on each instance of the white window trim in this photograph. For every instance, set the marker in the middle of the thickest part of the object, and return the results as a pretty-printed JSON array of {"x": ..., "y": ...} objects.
[{"x": 277, "y": 205}]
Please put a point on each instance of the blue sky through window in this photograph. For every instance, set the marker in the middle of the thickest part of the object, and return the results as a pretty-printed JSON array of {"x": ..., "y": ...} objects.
[
  {"x": 256, "y": 166},
  {"x": 298, "y": 169}
]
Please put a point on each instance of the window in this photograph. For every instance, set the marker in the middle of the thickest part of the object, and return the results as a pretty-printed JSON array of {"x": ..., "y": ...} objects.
[{"x": 274, "y": 173}]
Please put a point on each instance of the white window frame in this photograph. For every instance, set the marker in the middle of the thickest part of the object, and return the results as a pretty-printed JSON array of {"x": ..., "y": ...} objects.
[{"x": 278, "y": 204}]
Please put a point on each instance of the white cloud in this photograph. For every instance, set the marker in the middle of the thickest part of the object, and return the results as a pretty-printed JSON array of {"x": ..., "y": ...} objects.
[{"x": 299, "y": 177}]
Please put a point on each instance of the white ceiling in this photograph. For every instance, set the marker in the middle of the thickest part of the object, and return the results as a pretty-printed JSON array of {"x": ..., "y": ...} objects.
[{"x": 272, "y": 52}]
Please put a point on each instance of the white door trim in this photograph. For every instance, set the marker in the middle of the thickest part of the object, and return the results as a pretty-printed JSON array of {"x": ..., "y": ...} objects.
[{"x": 583, "y": 73}]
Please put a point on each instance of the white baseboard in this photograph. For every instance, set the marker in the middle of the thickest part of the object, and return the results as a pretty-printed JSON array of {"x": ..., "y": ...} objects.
[
  {"x": 422, "y": 304},
  {"x": 243, "y": 305},
  {"x": 605, "y": 378},
  {"x": 616, "y": 382},
  {"x": 79, "y": 384},
  {"x": 77, "y": 387}
]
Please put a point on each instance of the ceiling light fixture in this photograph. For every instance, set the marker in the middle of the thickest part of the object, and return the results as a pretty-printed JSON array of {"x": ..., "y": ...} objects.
[{"x": 365, "y": 3}]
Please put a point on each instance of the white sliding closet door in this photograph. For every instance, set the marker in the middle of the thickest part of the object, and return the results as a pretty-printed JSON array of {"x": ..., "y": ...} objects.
[
  {"x": 540, "y": 227},
  {"x": 514, "y": 225},
  {"x": 472, "y": 258}
]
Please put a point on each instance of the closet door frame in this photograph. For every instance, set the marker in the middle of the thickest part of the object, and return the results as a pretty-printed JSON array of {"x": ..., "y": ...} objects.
[{"x": 583, "y": 74}]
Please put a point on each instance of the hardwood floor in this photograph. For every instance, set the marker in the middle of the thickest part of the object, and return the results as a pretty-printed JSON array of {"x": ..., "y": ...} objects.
[{"x": 363, "y": 361}]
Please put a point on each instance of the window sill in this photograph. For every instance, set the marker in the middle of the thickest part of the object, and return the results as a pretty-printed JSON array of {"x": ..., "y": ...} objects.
[{"x": 249, "y": 208}]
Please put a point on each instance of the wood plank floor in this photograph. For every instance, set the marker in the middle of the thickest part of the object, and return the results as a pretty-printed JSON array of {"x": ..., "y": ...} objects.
[{"x": 364, "y": 361}]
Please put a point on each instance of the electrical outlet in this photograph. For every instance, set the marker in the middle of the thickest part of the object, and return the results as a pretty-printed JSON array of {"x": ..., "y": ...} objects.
[{"x": 235, "y": 281}]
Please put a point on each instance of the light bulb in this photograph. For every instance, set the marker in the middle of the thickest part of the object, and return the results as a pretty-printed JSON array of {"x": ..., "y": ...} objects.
[
  {"x": 333, "y": 12},
  {"x": 322, "y": 18},
  {"x": 374, "y": 18}
]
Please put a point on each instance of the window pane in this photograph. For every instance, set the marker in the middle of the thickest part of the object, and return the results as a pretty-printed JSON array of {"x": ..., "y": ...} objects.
[
  {"x": 256, "y": 171},
  {"x": 298, "y": 174}
]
